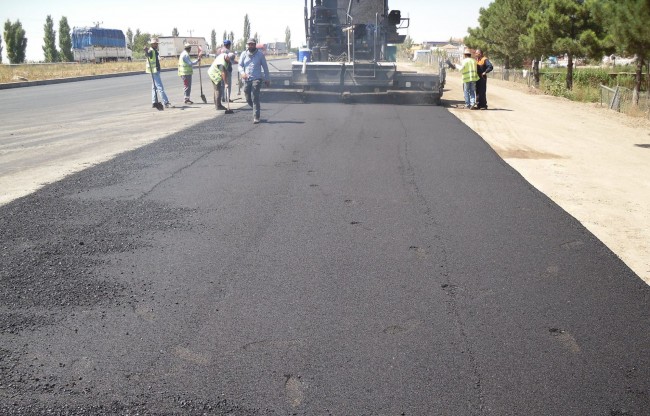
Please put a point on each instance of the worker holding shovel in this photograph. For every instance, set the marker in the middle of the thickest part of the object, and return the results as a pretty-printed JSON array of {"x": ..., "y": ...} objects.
[
  {"x": 218, "y": 74},
  {"x": 153, "y": 67}
]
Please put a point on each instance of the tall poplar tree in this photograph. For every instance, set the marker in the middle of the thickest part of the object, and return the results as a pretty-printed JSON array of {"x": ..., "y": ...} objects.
[
  {"x": 129, "y": 38},
  {"x": 49, "y": 41},
  {"x": 16, "y": 41},
  {"x": 287, "y": 38},
  {"x": 65, "y": 41},
  {"x": 213, "y": 41},
  {"x": 247, "y": 28}
]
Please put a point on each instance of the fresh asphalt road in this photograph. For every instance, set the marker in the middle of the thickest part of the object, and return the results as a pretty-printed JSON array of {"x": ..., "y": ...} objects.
[{"x": 335, "y": 259}]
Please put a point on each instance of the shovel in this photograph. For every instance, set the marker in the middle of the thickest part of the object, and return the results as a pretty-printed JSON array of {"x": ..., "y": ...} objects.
[
  {"x": 228, "y": 111},
  {"x": 159, "y": 106},
  {"x": 201, "y": 82}
]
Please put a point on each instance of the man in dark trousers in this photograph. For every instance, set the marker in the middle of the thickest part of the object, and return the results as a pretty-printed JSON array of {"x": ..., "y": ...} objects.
[
  {"x": 483, "y": 66},
  {"x": 251, "y": 65}
]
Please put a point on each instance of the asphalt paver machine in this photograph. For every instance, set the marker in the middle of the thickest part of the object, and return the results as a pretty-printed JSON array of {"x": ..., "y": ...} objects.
[{"x": 351, "y": 54}]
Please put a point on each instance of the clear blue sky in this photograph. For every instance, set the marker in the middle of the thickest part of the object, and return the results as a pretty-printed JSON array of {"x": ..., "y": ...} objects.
[{"x": 430, "y": 19}]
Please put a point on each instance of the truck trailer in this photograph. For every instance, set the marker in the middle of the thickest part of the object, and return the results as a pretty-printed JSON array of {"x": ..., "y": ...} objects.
[
  {"x": 96, "y": 44},
  {"x": 350, "y": 54},
  {"x": 172, "y": 46}
]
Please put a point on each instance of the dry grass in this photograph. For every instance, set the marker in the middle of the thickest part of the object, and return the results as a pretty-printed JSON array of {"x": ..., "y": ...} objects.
[{"x": 39, "y": 72}]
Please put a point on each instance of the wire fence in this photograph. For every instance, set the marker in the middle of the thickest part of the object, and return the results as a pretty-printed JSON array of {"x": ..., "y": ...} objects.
[{"x": 616, "y": 98}]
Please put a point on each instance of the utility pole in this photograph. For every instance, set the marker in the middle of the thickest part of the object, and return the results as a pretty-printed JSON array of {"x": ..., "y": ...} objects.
[{"x": 191, "y": 30}]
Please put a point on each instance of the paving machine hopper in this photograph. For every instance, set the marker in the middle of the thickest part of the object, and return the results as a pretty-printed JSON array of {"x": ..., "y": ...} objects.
[{"x": 351, "y": 53}]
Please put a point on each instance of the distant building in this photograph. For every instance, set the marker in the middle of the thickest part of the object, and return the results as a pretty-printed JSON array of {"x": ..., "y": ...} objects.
[
  {"x": 276, "y": 48},
  {"x": 450, "y": 50},
  {"x": 434, "y": 44}
]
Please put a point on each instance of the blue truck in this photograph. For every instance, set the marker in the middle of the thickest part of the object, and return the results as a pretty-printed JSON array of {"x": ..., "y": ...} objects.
[{"x": 95, "y": 44}]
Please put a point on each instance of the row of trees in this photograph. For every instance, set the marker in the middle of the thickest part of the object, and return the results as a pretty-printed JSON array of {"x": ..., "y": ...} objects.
[
  {"x": 516, "y": 30},
  {"x": 16, "y": 42}
]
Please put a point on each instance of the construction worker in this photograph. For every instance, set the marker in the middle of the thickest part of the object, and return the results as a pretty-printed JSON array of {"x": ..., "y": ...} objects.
[
  {"x": 233, "y": 60},
  {"x": 152, "y": 66},
  {"x": 468, "y": 70},
  {"x": 218, "y": 74},
  {"x": 185, "y": 70},
  {"x": 483, "y": 67}
]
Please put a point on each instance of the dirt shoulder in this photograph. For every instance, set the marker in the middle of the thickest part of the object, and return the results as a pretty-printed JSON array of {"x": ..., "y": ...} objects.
[{"x": 591, "y": 161}]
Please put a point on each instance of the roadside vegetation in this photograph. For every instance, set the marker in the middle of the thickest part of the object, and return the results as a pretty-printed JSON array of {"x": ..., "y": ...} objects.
[
  {"x": 520, "y": 33},
  {"x": 38, "y": 72}
]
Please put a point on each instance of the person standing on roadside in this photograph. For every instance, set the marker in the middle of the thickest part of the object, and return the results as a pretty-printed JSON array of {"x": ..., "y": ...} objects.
[
  {"x": 218, "y": 74},
  {"x": 185, "y": 70},
  {"x": 153, "y": 67},
  {"x": 251, "y": 64},
  {"x": 483, "y": 67},
  {"x": 468, "y": 70}
]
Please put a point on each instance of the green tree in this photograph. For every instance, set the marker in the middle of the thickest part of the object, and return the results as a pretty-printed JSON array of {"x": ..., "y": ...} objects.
[
  {"x": 175, "y": 32},
  {"x": 129, "y": 38},
  {"x": 16, "y": 41},
  {"x": 287, "y": 38},
  {"x": 560, "y": 27},
  {"x": 140, "y": 40},
  {"x": 500, "y": 26},
  {"x": 1, "y": 49},
  {"x": 247, "y": 28},
  {"x": 631, "y": 35},
  {"x": 49, "y": 41},
  {"x": 65, "y": 41},
  {"x": 213, "y": 41},
  {"x": 231, "y": 36}
]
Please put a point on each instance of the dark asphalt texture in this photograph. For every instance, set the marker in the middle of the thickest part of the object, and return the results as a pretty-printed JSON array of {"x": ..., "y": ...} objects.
[{"x": 334, "y": 259}]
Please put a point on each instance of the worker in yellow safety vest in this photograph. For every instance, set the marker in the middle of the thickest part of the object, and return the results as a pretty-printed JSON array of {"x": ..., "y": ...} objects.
[
  {"x": 153, "y": 67},
  {"x": 467, "y": 68},
  {"x": 218, "y": 74},
  {"x": 185, "y": 70}
]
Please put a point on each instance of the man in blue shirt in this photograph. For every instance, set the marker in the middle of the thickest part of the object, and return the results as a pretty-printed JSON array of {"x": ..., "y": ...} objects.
[{"x": 251, "y": 64}]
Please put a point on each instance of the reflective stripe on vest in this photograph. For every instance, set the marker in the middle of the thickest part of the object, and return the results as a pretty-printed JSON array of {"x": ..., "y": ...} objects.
[
  {"x": 469, "y": 71},
  {"x": 150, "y": 66},
  {"x": 183, "y": 67}
]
